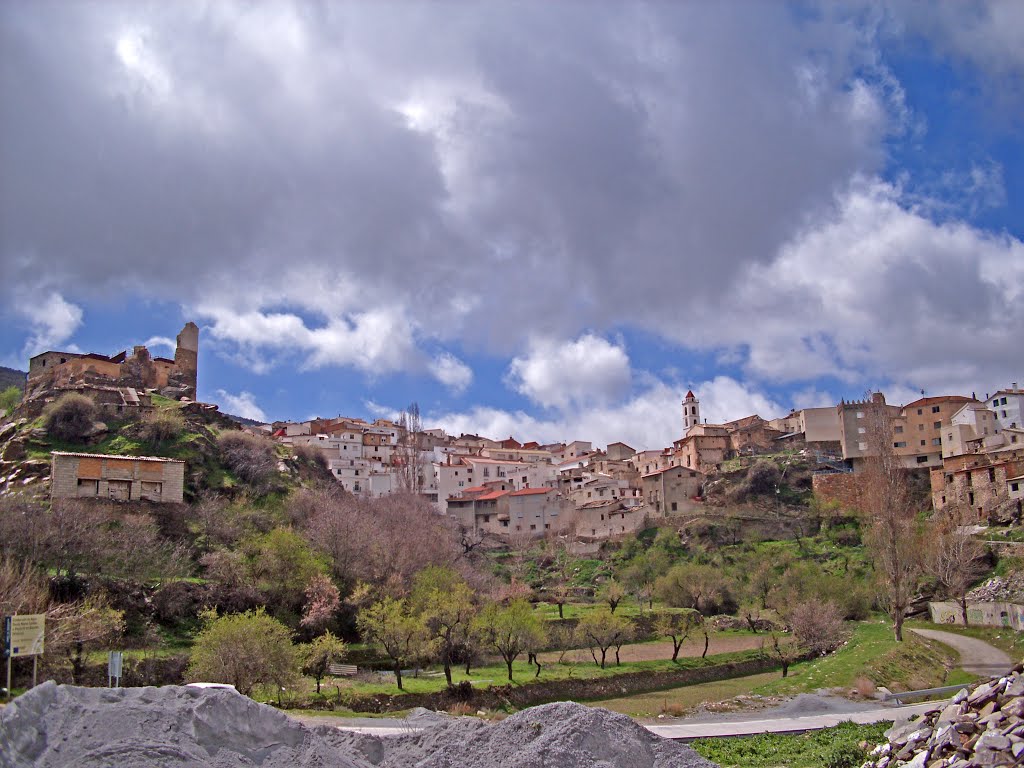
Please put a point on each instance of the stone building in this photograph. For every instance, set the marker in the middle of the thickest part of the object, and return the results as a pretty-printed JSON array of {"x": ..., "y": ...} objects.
[
  {"x": 140, "y": 371},
  {"x": 989, "y": 483},
  {"x": 671, "y": 490},
  {"x": 120, "y": 478}
]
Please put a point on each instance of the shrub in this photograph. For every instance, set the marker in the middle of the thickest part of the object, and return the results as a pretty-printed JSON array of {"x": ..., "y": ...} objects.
[
  {"x": 70, "y": 418},
  {"x": 9, "y": 400},
  {"x": 245, "y": 650},
  {"x": 307, "y": 454},
  {"x": 250, "y": 457},
  {"x": 161, "y": 427},
  {"x": 762, "y": 478}
]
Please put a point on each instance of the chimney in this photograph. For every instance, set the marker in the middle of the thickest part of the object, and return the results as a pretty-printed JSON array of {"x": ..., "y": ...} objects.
[{"x": 1015, "y": 385}]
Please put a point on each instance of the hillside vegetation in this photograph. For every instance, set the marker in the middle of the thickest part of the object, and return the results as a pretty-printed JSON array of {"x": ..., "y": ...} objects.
[{"x": 307, "y": 574}]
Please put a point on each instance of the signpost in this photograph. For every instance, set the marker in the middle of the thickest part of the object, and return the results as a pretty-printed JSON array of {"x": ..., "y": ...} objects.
[
  {"x": 114, "y": 663},
  {"x": 23, "y": 636}
]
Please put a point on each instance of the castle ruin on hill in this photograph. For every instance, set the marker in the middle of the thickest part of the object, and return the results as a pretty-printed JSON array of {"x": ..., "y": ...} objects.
[{"x": 118, "y": 381}]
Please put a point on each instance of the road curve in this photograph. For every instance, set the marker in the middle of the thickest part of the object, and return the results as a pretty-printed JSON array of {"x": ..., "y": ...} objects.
[
  {"x": 976, "y": 656},
  {"x": 685, "y": 731}
]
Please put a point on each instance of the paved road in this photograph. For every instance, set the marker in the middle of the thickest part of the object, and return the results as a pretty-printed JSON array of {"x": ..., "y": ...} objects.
[
  {"x": 737, "y": 727},
  {"x": 976, "y": 656}
]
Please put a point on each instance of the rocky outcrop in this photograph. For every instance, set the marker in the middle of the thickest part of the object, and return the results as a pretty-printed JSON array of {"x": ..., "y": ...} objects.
[{"x": 982, "y": 725}]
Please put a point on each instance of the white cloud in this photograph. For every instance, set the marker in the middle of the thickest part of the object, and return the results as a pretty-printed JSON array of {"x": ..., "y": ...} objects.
[
  {"x": 52, "y": 319},
  {"x": 160, "y": 341},
  {"x": 451, "y": 372},
  {"x": 875, "y": 291},
  {"x": 563, "y": 373},
  {"x": 243, "y": 404},
  {"x": 376, "y": 341}
]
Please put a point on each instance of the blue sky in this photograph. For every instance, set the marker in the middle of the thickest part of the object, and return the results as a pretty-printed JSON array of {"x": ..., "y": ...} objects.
[{"x": 544, "y": 220}]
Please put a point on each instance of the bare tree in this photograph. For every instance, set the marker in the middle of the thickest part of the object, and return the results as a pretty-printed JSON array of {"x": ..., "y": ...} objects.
[
  {"x": 602, "y": 630},
  {"x": 817, "y": 626},
  {"x": 893, "y": 537},
  {"x": 677, "y": 627},
  {"x": 408, "y": 455},
  {"x": 953, "y": 555}
]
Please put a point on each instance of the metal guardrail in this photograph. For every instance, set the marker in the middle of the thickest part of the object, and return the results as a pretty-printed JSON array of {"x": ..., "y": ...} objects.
[{"x": 923, "y": 693}]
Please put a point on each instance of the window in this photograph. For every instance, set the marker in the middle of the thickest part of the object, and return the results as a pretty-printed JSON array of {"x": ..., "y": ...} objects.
[
  {"x": 920, "y": 427},
  {"x": 533, "y": 527},
  {"x": 936, "y": 441},
  {"x": 922, "y": 459},
  {"x": 898, "y": 430},
  {"x": 991, "y": 475},
  {"x": 861, "y": 430},
  {"x": 1003, "y": 401},
  {"x": 862, "y": 446},
  {"x": 970, "y": 498},
  {"x": 88, "y": 487},
  {"x": 936, "y": 424},
  {"x": 1014, "y": 487},
  {"x": 919, "y": 412},
  {"x": 487, "y": 518},
  {"x": 900, "y": 444},
  {"x": 860, "y": 414},
  {"x": 923, "y": 442},
  {"x": 675, "y": 506},
  {"x": 1003, "y": 413}
]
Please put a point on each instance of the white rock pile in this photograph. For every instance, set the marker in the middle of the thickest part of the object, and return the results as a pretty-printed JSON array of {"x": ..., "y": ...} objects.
[
  {"x": 1009, "y": 588},
  {"x": 980, "y": 726},
  {"x": 62, "y": 725}
]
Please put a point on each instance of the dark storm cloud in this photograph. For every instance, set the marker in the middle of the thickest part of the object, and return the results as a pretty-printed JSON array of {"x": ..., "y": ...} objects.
[{"x": 485, "y": 172}]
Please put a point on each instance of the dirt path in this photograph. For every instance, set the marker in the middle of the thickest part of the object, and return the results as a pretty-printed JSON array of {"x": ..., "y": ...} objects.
[
  {"x": 976, "y": 656},
  {"x": 663, "y": 650}
]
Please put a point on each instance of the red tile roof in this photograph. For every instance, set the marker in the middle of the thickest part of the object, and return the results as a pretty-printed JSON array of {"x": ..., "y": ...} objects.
[
  {"x": 491, "y": 496},
  {"x": 690, "y": 395}
]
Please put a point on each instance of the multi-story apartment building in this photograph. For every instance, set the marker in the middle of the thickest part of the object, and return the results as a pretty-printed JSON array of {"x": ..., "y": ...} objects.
[{"x": 1008, "y": 407}]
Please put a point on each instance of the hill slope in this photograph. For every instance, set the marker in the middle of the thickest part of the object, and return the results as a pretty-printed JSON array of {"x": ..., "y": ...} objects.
[{"x": 10, "y": 377}]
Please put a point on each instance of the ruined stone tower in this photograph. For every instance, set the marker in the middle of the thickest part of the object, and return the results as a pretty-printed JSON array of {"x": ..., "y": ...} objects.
[{"x": 186, "y": 358}]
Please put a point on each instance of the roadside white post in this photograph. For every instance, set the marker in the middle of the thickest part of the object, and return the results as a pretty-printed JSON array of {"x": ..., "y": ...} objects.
[{"x": 114, "y": 663}]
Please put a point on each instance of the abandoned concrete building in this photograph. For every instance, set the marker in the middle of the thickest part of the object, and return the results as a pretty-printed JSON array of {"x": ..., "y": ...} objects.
[
  {"x": 121, "y": 380},
  {"x": 120, "y": 478}
]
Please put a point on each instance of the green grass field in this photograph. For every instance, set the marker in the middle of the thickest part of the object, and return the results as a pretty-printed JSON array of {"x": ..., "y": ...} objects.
[{"x": 837, "y": 747}]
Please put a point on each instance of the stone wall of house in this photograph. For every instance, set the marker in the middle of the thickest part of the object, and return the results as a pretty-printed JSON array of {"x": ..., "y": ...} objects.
[
  {"x": 843, "y": 488},
  {"x": 121, "y": 478},
  {"x": 979, "y": 614}
]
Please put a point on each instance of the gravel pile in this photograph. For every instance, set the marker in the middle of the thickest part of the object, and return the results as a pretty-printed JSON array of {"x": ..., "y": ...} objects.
[
  {"x": 62, "y": 725},
  {"x": 998, "y": 589},
  {"x": 554, "y": 735},
  {"x": 980, "y": 726}
]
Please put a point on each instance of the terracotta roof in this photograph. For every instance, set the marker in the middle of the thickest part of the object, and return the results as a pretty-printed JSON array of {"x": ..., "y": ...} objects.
[
  {"x": 690, "y": 395},
  {"x": 531, "y": 491},
  {"x": 491, "y": 496},
  {"x": 475, "y": 489}
]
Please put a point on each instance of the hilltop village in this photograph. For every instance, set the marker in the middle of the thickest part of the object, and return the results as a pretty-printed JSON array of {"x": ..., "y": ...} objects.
[{"x": 972, "y": 451}]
